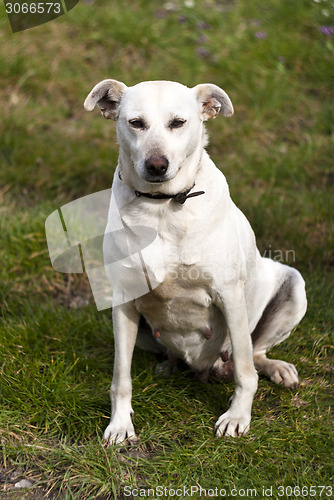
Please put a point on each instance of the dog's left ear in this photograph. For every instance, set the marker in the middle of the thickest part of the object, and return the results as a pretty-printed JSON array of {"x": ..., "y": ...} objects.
[
  {"x": 107, "y": 95},
  {"x": 213, "y": 100}
]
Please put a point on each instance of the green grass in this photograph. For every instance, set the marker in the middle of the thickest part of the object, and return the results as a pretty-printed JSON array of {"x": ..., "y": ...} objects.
[{"x": 56, "y": 349}]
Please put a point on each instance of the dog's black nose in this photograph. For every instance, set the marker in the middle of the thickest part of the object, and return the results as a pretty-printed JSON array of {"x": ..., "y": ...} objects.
[{"x": 156, "y": 166}]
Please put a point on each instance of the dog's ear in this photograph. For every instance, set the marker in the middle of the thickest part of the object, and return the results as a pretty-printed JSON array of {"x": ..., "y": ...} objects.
[
  {"x": 107, "y": 95},
  {"x": 213, "y": 100}
]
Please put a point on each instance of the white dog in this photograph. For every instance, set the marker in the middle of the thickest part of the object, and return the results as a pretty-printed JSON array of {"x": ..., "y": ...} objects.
[{"x": 218, "y": 299}]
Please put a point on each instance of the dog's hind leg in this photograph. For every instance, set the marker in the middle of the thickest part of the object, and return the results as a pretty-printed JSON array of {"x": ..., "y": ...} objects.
[{"x": 283, "y": 312}]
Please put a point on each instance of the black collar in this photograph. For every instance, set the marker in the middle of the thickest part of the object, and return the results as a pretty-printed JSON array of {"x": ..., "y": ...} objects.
[{"x": 179, "y": 197}]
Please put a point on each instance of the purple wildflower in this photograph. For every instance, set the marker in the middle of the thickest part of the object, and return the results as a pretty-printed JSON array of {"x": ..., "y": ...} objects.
[
  {"x": 182, "y": 19},
  {"x": 261, "y": 35},
  {"x": 203, "y": 25},
  {"x": 203, "y": 52},
  {"x": 326, "y": 30}
]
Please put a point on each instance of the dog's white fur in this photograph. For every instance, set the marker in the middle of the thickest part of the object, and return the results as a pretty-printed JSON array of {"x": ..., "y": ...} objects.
[{"x": 214, "y": 277}]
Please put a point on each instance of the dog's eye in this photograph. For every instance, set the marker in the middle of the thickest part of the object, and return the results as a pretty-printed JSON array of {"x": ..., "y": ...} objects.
[
  {"x": 136, "y": 123},
  {"x": 176, "y": 123}
]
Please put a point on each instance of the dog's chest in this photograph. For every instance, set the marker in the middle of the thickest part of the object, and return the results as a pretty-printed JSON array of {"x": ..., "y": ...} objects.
[
  {"x": 182, "y": 311},
  {"x": 181, "y": 301}
]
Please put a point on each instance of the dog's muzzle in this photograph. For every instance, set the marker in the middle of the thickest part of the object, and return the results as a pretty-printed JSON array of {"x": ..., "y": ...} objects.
[{"x": 156, "y": 167}]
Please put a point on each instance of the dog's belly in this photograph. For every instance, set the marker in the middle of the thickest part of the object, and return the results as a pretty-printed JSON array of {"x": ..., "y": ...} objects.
[{"x": 189, "y": 324}]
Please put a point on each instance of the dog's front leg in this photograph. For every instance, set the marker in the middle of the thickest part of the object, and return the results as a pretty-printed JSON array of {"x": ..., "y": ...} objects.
[
  {"x": 236, "y": 420},
  {"x": 120, "y": 429}
]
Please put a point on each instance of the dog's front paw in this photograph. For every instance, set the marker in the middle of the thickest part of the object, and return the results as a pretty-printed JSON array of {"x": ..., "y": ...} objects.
[
  {"x": 120, "y": 432},
  {"x": 230, "y": 424}
]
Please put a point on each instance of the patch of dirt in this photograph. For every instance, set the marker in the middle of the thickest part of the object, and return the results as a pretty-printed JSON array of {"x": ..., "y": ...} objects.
[
  {"x": 12, "y": 482},
  {"x": 72, "y": 291}
]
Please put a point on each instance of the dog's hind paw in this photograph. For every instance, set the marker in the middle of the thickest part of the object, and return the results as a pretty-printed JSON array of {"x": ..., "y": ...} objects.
[
  {"x": 278, "y": 371},
  {"x": 284, "y": 373},
  {"x": 230, "y": 425}
]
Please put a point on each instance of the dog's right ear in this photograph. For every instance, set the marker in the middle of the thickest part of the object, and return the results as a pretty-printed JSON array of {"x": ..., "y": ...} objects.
[{"x": 107, "y": 95}]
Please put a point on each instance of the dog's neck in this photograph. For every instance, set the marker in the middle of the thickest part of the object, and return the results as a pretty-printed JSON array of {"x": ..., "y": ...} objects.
[{"x": 180, "y": 197}]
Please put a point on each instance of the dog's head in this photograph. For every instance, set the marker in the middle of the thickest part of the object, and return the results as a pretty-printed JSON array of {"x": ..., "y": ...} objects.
[{"x": 159, "y": 126}]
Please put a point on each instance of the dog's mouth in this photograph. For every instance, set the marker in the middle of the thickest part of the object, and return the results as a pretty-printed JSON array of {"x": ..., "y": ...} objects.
[{"x": 156, "y": 180}]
